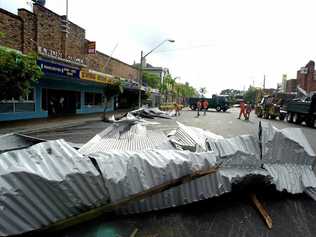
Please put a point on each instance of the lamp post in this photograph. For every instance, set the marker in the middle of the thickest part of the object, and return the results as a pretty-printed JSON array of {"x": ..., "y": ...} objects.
[
  {"x": 177, "y": 92},
  {"x": 142, "y": 57}
]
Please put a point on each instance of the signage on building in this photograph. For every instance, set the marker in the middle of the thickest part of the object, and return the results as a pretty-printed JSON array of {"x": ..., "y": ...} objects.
[
  {"x": 130, "y": 84},
  {"x": 96, "y": 77},
  {"x": 58, "y": 55},
  {"x": 54, "y": 69},
  {"x": 91, "y": 47}
]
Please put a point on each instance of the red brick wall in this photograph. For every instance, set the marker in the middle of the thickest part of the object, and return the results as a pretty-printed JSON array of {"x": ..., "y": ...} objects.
[
  {"x": 291, "y": 85},
  {"x": 11, "y": 25},
  {"x": 46, "y": 29},
  {"x": 75, "y": 42},
  {"x": 98, "y": 61},
  {"x": 307, "y": 81},
  {"x": 49, "y": 34},
  {"x": 29, "y": 30}
]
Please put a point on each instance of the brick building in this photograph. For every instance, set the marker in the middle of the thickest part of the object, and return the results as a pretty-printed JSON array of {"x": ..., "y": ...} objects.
[
  {"x": 291, "y": 86},
  {"x": 306, "y": 78},
  {"x": 73, "y": 80}
]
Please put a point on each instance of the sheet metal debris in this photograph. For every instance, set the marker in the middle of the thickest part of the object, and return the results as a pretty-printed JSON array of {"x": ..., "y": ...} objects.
[
  {"x": 45, "y": 183},
  {"x": 51, "y": 181},
  {"x": 126, "y": 136}
]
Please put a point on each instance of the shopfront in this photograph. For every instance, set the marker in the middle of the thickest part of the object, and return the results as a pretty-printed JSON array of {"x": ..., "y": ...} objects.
[{"x": 63, "y": 90}]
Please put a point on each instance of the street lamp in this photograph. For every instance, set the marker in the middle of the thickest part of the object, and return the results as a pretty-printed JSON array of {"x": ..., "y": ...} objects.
[{"x": 142, "y": 57}]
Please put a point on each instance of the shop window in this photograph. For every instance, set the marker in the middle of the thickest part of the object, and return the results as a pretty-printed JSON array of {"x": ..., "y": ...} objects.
[
  {"x": 93, "y": 99},
  {"x": 78, "y": 99},
  {"x": 21, "y": 104}
]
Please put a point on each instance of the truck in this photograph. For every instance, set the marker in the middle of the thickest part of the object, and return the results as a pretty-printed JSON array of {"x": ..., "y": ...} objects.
[
  {"x": 299, "y": 111},
  {"x": 272, "y": 106},
  {"x": 217, "y": 102}
]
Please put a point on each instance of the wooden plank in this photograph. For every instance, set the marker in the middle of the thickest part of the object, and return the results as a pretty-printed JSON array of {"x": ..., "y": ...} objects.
[
  {"x": 264, "y": 213},
  {"x": 134, "y": 233},
  {"x": 96, "y": 212}
]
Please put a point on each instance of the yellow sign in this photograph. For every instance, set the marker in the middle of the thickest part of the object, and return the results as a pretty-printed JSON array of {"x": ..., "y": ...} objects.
[{"x": 85, "y": 75}]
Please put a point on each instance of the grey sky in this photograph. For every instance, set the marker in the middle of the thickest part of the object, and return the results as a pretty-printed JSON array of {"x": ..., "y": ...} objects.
[{"x": 219, "y": 44}]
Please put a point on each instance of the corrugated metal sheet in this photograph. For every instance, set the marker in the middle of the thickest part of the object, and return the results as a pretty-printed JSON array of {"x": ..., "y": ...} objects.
[
  {"x": 237, "y": 151},
  {"x": 127, "y": 173},
  {"x": 288, "y": 145},
  {"x": 151, "y": 113},
  {"x": 192, "y": 138},
  {"x": 126, "y": 137},
  {"x": 45, "y": 183},
  {"x": 291, "y": 177},
  {"x": 51, "y": 181}
]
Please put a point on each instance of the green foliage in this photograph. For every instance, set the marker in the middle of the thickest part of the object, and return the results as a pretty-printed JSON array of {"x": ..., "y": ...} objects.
[
  {"x": 250, "y": 95},
  {"x": 18, "y": 73},
  {"x": 232, "y": 95},
  {"x": 2, "y": 34},
  {"x": 185, "y": 90},
  {"x": 111, "y": 90},
  {"x": 170, "y": 86},
  {"x": 152, "y": 80}
]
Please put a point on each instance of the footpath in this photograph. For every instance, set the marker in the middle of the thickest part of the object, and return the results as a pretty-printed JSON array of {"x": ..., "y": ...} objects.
[{"x": 40, "y": 125}]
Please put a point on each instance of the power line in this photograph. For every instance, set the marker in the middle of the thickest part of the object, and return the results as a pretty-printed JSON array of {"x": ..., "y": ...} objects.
[{"x": 186, "y": 48}]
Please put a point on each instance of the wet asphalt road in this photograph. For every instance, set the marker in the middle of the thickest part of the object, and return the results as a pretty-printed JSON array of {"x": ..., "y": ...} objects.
[{"x": 231, "y": 214}]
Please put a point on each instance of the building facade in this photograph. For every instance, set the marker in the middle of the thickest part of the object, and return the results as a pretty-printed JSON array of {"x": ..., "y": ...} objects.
[
  {"x": 306, "y": 78},
  {"x": 291, "y": 86},
  {"x": 73, "y": 81}
]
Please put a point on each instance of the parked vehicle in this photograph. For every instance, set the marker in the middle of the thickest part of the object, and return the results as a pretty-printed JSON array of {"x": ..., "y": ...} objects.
[
  {"x": 269, "y": 110},
  {"x": 299, "y": 111},
  {"x": 218, "y": 102},
  {"x": 272, "y": 106}
]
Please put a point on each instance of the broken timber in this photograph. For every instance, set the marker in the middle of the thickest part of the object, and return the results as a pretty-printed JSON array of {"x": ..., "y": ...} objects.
[
  {"x": 99, "y": 211},
  {"x": 262, "y": 210}
]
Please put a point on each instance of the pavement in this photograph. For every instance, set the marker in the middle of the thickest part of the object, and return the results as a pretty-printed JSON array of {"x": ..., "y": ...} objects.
[
  {"x": 231, "y": 214},
  {"x": 48, "y": 124}
]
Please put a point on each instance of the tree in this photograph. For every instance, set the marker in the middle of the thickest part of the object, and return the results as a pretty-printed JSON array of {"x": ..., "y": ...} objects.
[
  {"x": 18, "y": 73},
  {"x": 232, "y": 95},
  {"x": 250, "y": 95},
  {"x": 152, "y": 80},
  {"x": 166, "y": 86}
]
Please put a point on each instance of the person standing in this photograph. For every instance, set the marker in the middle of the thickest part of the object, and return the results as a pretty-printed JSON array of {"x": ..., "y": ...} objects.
[
  {"x": 198, "y": 107},
  {"x": 242, "y": 109},
  {"x": 248, "y": 111},
  {"x": 177, "y": 108},
  {"x": 205, "y": 106}
]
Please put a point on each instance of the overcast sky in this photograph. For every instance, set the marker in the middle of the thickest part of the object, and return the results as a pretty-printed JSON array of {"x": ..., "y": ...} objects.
[{"x": 219, "y": 44}]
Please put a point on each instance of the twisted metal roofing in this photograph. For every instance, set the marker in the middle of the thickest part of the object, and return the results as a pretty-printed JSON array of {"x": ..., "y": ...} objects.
[
  {"x": 45, "y": 183},
  {"x": 126, "y": 136}
]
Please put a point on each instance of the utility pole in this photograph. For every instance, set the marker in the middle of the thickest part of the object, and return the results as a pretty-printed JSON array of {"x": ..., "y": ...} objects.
[
  {"x": 264, "y": 81},
  {"x": 140, "y": 80},
  {"x": 67, "y": 10}
]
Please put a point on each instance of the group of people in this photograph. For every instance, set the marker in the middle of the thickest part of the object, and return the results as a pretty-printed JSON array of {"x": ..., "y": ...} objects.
[
  {"x": 245, "y": 110},
  {"x": 201, "y": 105}
]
